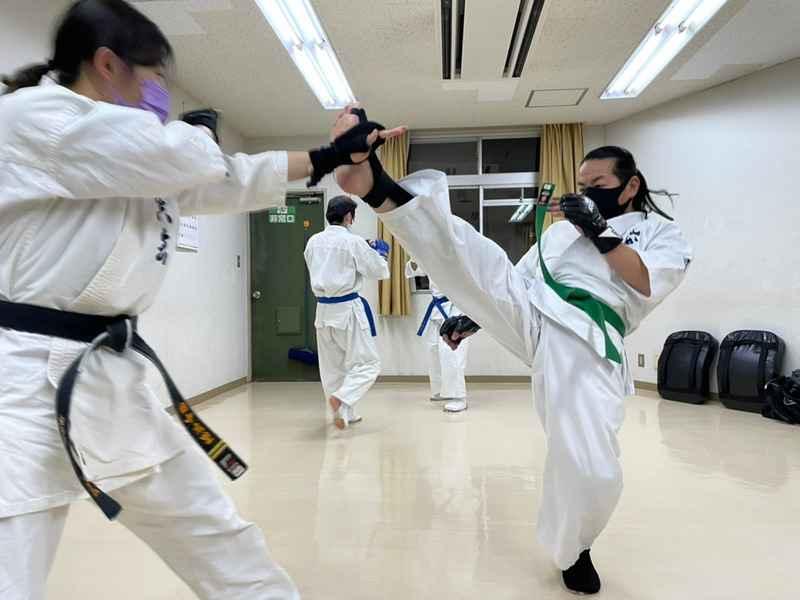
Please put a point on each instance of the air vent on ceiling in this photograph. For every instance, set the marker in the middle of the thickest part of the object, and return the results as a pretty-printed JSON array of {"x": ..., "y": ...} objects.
[
  {"x": 555, "y": 98},
  {"x": 452, "y": 37},
  {"x": 521, "y": 39}
]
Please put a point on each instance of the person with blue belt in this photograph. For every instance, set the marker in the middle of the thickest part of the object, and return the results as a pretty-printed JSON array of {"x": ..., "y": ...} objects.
[
  {"x": 445, "y": 365},
  {"x": 338, "y": 263}
]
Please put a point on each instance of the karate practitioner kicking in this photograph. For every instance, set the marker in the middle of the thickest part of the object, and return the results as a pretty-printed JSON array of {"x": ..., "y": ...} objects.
[
  {"x": 338, "y": 263},
  {"x": 445, "y": 364},
  {"x": 608, "y": 265},
  {"x": 92, "y": 183}
]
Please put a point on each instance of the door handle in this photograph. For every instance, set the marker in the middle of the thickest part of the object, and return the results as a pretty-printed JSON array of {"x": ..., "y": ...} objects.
[{"x": 257, "y": 295}]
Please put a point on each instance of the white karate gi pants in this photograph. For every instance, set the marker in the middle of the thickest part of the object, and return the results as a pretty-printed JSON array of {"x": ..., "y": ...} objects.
[
  {"x": 578, "y": 394},
  {"x": 349, "y": 362},
  {"x": 445, "y": 366},
  {"x": 183, "y": 514}
]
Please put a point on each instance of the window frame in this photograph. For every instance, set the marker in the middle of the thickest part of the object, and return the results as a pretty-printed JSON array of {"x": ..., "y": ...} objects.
[{"x": 480, "y": 180}]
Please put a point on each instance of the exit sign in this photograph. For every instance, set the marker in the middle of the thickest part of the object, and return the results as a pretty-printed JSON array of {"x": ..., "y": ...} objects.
[{"x": 282, "y": 215}]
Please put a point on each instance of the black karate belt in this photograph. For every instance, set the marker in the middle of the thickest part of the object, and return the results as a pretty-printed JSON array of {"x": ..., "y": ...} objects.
[{"x": 117, "y": 333}]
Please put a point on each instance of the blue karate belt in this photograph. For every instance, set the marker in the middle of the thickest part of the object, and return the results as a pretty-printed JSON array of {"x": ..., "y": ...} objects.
[
  {"x": 350, "y": 298},
  {"x": 435, "y": 303}
]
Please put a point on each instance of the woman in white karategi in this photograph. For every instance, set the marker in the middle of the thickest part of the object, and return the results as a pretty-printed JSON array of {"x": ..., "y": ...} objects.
[
  {"x": 608, "y": 265},
  {"x": 446, "y": 365},
  {"x": 92, "y": 183}
]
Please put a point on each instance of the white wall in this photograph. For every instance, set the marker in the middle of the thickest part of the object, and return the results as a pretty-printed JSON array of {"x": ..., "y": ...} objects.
[
  {"x": 594, "y": 136},
  {"x": 198, "y": 323},
  {"x": 25, "y": 29},
  {"x": 733, "y": 153},
  {"x": 400, "y": 349}
]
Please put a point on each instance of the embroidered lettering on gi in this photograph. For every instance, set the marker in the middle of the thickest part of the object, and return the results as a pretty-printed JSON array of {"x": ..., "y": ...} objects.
[
  {"x": 165, "y": 219},
  {"x": 632, "y": 237}
]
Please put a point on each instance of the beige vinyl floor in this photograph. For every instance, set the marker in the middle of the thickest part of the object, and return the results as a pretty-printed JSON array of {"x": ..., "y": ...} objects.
[{"x": 417, "y": 504}]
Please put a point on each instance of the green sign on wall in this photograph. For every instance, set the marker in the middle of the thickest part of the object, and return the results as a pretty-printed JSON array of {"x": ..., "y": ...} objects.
[{"x": 282, "y": 214}]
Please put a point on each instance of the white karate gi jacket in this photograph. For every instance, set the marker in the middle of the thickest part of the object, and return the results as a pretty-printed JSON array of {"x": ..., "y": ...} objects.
[
  {"x": 338, "y": 263},
  {"x": 578, "y": 393},
  {"x": 90, "y": 197}
]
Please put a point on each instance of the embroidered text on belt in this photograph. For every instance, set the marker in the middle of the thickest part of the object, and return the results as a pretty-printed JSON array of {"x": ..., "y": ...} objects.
[{"x": 119, "y": 334}]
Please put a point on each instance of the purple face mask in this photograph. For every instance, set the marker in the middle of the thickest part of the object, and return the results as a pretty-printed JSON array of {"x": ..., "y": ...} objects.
[{"x": 155, "y": 99}]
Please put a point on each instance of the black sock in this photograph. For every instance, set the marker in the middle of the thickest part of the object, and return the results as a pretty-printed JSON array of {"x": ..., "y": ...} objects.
[{"x": 582, "y": 576}]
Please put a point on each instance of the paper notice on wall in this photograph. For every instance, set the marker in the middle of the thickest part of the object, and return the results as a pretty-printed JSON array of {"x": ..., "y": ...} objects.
[{"x": 189, "y": 234}]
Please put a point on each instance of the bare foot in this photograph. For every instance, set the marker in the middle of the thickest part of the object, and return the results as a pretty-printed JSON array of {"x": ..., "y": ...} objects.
[{"x": 335, "y": 405}]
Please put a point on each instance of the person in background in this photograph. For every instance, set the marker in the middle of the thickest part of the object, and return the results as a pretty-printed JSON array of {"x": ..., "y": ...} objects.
[
  {"x": 445, "y": 365},
  {"x": 338, "y": 263}
]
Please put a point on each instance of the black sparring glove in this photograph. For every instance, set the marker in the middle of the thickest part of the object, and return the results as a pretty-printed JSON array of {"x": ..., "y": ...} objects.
[
  {"x": 462, "y": 325},
  {"x": 337, "y": 153},
  {"x": 327, "y": 158},
  {"x": 582, "y": 212},
  {"x": 383, "y": 186},
  {"x": 207, "y": 117}
]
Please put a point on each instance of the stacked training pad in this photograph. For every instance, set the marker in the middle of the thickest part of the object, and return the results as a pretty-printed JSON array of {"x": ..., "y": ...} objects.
[
  {"x": 684, "y": 366},
  {"x": 748, "y": 360}
]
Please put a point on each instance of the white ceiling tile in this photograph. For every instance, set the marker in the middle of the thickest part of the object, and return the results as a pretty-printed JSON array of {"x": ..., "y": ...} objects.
[{"x": 391, "y": 52}]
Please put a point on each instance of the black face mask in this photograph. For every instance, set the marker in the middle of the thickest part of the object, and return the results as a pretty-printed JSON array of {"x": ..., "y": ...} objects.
[{"x": 607, "y": 200}]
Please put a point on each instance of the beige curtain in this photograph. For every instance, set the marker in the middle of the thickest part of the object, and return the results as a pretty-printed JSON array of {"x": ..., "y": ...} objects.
[
  {"x": 395, "y": 293},
  {"x": 561, "y": 153}
]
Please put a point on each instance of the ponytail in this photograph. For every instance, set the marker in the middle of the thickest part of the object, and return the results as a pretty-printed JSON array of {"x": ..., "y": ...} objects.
[
  {"x": 643, "y": 200},
  {"x": 89, "y": 25},
  {"x": 29, "y": 76}
]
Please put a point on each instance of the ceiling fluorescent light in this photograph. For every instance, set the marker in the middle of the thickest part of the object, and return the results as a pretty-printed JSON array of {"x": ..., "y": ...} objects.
[
  {"x": 522, "y": 211},
  {"x": 299, "y": 30},
  {"x": 682, "y": 20}
]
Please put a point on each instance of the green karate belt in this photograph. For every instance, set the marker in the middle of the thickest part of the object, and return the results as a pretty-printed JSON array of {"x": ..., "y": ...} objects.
[{"x": 597, "y": 310}]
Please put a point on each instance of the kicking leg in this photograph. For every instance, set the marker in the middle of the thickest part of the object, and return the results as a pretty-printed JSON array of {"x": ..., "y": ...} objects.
[{"x": 473, "y": 271}]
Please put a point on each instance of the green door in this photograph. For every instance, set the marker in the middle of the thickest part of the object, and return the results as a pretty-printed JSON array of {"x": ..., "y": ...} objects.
[{"x": 283, "y": 306}]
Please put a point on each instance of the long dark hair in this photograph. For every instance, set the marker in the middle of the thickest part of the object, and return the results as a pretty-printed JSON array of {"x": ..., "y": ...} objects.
[
  {"x": 625, "y": 168},
  {"x": 92, "y": 24}
]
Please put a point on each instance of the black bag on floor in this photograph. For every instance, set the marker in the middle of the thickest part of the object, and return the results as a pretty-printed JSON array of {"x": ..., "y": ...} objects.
[
  {"x": 783, "y": 399},
  {"x": 684, "y": 366},
  {"x": 747, "y": 361}
]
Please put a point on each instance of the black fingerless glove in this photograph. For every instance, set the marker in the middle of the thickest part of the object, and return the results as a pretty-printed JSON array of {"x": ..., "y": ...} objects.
[
  {"x": 327, "y": 158},
  {"x": 461, "y": 324},
  {"x": 582, "y": 212},
  {"x": 383, "y": 186},
  {"x": 207, "y": 117}
]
